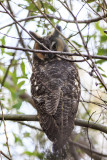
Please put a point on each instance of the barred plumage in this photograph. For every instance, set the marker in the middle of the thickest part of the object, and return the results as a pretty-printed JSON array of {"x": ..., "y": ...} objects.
[{"x": 55, "y": 88}]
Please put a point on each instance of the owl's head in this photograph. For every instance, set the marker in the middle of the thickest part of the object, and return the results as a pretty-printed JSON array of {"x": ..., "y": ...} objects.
[{"x": 53, "y": 42}]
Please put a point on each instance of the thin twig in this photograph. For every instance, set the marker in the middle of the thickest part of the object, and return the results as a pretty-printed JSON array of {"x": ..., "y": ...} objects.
[
  {"x": 93, "y": 66},
  {"x": 30, "y": 126},
  {"x": 6, "y": 73},
  {"x": 14, "y": 37},
  {"x": 95, "y": 103},
  {"x": 57, "y": 29},
  {"x": 95, "y": 11},
  {"x": 53, "y": 52},
  {"x": 5, "y": 155},
  {"x": 90, "y": 143},
  {"x": 20, "y": 32},
  {"x": 2, "y": 118},
  {"x": 58, "y": 18},
  {"x": 22, "y": 26},
  {"x": 98, "y": 75}
]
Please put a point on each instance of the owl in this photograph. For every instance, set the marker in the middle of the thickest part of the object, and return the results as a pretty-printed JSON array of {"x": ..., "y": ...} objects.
[{"x": 55, "y": 88}]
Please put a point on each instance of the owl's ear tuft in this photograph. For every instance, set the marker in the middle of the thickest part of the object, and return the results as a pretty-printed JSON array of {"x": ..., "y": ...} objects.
[
  {"x": 35, "y": 35},
  {"x": 55, "y": 33},
  {"x": 59, "y": 28}
]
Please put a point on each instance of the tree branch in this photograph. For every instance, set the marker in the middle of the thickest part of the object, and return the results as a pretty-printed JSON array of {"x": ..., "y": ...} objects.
[
  {"x": 16, "y": 22},
  {"x": 26, "y": 97},
  {"x": 93, "y": 125},
  {"x": 19, "y": 117},
  {"x": 54, "y": 52},
  {"x": 78, "y": 122},
  {"x": 94, "y": 152},
  {"x": 30, "y": 126},
  {"x": 58, "y": 18},
  {"x": 5, "y": 155}
]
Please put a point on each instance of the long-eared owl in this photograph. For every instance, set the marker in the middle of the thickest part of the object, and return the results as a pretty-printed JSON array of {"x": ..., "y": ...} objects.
[{"x": 55, "y": 88}]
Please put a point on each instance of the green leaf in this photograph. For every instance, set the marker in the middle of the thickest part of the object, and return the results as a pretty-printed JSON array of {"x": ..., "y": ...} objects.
[
  {"x": 100, "y": 85},
  {"x": 101, "y": 69},
  {"x": 9, "y": 53},
  {"x": 77, "y": 44},
  {"x": 1, "y": 98},
  {"x": 3, "y": 43},
  {"x": 3, "y": 40},
  {"x": 13, "y": 93},
  {"x": 102, "y": 51},
  {"x": 51, "y": 8},
  {"x": 25, "y": 76},
  {"x": 103, "y": 38},
  {"x": 99, "y": 28},
  {"x": 14, "y": 77},
  {"x": 100, "y": 61},
  {"x": 35, "y": 153},
  {"x": 17, "y": 139},
  {"x": 26, "y": 134},
  {"x": 90, "y": 1},
  {"x": 17, "y": 105},
  {"x": 104, "y": 75},
  {"x": 23, "y": 68},
  {"x": 20, "y": 84},
  {"x": 31, "y": 7}
]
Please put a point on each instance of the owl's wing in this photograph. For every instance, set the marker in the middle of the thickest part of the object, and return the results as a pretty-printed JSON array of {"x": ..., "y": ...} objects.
[{"x": 52, "y": 101}]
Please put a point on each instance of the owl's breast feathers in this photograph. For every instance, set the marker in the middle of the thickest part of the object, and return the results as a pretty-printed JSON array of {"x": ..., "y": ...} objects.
[{"x": 56, "y": 91}]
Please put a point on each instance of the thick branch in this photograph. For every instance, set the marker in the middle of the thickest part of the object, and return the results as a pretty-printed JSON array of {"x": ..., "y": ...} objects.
[
  {"x": 78, "y": 122},
  {"x": 54, "y": 52},
  {"x": 87, "y": 149},
  {"x": 93, "y": 125},
  {"x": 28, "y": 98},
  {"x": 19, "y": 117}
]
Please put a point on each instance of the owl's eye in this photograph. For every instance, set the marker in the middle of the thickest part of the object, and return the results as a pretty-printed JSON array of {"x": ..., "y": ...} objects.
[{"x": 54, "y": 46}]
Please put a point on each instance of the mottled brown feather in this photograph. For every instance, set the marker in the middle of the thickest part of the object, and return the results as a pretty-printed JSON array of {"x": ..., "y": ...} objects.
[{"x": 55, "y": 88}]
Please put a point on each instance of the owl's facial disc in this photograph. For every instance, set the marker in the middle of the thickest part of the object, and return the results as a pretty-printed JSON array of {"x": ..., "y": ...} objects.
[
  {"x": 52, "y": 42},
  {"x": 53, "y": 46}
]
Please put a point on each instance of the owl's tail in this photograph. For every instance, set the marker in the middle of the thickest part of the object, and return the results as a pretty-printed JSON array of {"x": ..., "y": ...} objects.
[
  {"x": 57, "y": 146},
  {"x": 49, "y": 126},
  {"x": 59, "y": 149}
]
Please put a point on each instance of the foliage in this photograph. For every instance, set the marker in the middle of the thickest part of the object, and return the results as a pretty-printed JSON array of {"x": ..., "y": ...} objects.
[{"x": 15, "y": 69}]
